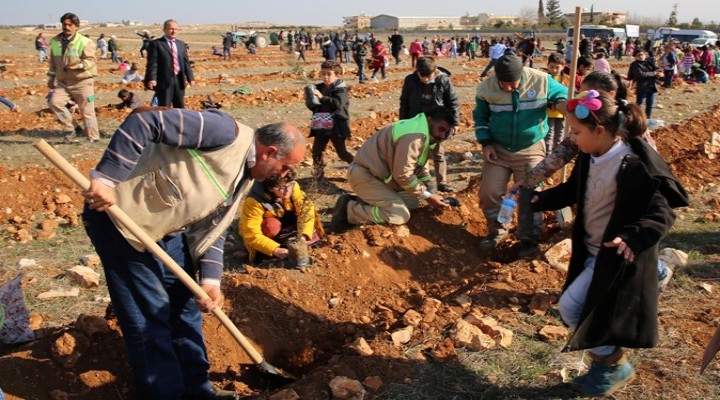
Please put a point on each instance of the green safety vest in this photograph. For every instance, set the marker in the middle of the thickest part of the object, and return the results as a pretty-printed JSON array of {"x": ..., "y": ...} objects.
[
  {"x": 415, "y": 125},
  {"x": 75, "y": 47}
]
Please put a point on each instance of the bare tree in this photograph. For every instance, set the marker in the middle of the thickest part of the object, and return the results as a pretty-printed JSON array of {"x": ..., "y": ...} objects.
[{"x": 527, "y": 16}]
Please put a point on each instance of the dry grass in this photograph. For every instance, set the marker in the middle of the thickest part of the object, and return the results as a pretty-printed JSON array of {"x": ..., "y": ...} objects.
[{"x": 53, "y": 258}]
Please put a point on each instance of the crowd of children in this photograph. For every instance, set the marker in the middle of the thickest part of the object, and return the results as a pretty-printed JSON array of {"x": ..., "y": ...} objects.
[{"x": 623, "y": 191}]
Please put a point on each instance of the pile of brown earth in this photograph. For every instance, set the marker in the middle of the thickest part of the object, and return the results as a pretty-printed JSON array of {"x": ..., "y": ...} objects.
[{"x": 364, "y": 285}]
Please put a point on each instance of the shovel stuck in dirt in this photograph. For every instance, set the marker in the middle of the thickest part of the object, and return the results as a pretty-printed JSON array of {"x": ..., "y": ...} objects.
[{"x": 120, "y": 217}]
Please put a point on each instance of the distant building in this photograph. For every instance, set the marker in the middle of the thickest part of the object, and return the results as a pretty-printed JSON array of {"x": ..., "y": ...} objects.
[
  {"x": 253, "y": 25},
  {"x": 361, "y": 21},
  {"x": 600, "y": 18},
  {"x": 132, "y": 22},
  {"x": 492, "y": 19},
  {"x": 58, "y": 25},
  {"x": 51, "y": 25},
  {"x": 384, "y": 21}
]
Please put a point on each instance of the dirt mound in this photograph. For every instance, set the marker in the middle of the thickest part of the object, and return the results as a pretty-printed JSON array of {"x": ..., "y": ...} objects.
[
  {"x": 682, "y": 145},
  {"x": 65, "y": 362},
  {"x": 361, "y": 286},
  {"x": 365, "y": 284},
  {"x": 37, "y": 201}
]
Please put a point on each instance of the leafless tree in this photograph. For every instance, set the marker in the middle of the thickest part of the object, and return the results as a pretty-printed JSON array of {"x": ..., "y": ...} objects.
[{"x": 527, "y": 16}]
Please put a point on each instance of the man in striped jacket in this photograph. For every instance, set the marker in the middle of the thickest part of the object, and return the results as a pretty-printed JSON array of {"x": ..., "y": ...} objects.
[{"x": 181, "y": 176}]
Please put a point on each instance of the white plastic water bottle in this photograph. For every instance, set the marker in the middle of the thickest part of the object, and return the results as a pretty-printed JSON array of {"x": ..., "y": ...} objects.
[{"x": 507, "y": 209}]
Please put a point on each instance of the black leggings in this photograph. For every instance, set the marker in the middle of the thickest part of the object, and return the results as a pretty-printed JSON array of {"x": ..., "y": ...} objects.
[{"x": 320, "y": 143}]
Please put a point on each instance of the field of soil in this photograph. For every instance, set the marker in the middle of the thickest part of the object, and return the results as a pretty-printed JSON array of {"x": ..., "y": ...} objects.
[{"x": 346, "y": 315}]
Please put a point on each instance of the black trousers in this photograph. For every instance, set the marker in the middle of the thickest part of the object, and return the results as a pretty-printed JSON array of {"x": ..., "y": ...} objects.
[
  {"x": 321, "y": 142},
  {"x": 173, "y": 95}
]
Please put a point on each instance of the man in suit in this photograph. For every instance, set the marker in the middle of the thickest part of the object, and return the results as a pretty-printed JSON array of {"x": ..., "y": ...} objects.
[{"x": 168, "y": 68}]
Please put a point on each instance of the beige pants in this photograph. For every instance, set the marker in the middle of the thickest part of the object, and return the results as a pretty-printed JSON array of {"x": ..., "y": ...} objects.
[
  {"x": 380, "y": 204},
  {"x": 440, "y": 163},
  {"x": 495, "y": 179},
  {"x": 82, "y": 93}
]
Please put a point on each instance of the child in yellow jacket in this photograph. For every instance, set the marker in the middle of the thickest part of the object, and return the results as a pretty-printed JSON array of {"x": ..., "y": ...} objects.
[
  {"x": 275, "y": 211},
  {"x": 556, "y": 121}
]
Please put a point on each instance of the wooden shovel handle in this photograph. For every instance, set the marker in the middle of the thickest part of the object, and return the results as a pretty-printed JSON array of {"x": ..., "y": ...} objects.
[{"x": 123, "y": 219}]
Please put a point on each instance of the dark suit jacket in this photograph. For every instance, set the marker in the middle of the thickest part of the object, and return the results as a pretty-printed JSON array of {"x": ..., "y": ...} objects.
[{"x": 160, "y": 63}]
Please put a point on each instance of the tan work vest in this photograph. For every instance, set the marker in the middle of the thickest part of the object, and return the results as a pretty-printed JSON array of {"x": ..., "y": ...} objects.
[{"x": 171, "y": 189}]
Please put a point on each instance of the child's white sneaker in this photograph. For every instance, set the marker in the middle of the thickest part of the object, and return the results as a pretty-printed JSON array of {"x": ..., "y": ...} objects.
[{"x": 672, "y": 259}]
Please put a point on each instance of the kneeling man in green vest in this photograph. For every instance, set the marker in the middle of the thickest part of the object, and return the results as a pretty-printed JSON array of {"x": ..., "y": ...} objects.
[{"x": 389, "y": 173}]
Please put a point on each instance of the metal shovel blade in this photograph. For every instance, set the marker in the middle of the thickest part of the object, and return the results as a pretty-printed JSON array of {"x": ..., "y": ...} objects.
[
  {"x": 271, "y": 369},
  {"x": 711, "y": 349}
]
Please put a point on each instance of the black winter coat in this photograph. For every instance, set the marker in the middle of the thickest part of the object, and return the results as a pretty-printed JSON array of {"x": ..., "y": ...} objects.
[
  {"x": 622, "y": 300},
  {"x": 443, "y": 94},
  {"x": 335, "y": 100},
  {"x": 643, "y": 73}
]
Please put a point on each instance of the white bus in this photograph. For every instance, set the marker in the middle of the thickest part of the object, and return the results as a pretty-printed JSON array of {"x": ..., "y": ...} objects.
[
  {"x": 603, "y": 32},
  {"x": 682, "y": 35}
]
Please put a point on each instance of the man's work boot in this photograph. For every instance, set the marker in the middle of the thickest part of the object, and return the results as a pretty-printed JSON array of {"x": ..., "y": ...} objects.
[
  {"x": 529, "y": 223},
  {"x": 490, "y": 242},
  {"x": 339, "y": 222},
  {"x": 527, "y": 248},
  {"x": 444, "y": 187}
]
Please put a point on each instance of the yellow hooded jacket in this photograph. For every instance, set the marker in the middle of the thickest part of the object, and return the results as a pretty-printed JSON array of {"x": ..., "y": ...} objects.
[{"x": 260, "y": 205}]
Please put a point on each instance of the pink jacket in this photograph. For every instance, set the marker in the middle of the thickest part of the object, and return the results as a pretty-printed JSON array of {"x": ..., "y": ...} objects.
[{"x": 416, "y": 49}]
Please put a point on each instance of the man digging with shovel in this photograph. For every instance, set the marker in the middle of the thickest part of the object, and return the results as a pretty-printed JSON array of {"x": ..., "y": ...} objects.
[{"x": 181, "y": 175}]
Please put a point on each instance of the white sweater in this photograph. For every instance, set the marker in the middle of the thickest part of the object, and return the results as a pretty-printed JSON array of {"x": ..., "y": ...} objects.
[{"x": 601, "y": 192}]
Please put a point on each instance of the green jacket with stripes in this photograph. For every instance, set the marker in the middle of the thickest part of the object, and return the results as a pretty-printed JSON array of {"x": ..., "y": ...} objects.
[{"x": 516, "y": 120}]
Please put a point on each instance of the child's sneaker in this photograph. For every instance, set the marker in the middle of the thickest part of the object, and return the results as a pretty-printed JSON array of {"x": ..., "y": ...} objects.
[
  {"x": 665, "y": 278},
  {"x": 605, "y": 377},
  {"x": 671, "y": 259}
]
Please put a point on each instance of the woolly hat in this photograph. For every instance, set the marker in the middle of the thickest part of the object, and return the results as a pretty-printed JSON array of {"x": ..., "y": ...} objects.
[{"x": 508, "y": 68}]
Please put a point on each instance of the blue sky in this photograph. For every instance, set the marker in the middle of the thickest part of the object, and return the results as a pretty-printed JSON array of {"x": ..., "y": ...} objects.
[{"x": 317, "y": 12}]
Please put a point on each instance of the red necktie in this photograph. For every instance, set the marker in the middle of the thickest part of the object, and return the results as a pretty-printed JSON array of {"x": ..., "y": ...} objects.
[{"x": 176, "y": 65}]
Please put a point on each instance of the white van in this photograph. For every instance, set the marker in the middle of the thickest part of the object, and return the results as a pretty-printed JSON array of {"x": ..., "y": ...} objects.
[
  {"x": 700, "y": 42},
  {"x": 683, "y": 35}
]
